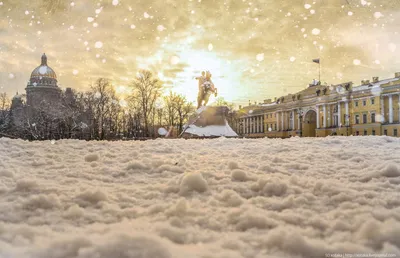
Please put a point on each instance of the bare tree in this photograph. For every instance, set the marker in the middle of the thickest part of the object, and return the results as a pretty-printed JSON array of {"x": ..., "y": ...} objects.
[
  {"x": 5, "y": 120},
  {"x": 146, "y": 91}
]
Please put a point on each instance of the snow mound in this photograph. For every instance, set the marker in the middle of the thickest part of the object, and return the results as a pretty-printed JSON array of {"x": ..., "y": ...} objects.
[{"x": 193, "y": 182}]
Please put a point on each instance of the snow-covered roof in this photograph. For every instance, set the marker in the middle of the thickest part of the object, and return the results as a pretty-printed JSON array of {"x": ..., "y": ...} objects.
[{"x": 374, "y": 84}]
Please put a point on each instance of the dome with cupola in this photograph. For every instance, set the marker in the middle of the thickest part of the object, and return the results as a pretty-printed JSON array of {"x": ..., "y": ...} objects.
[{"x": 43, "y": 75}]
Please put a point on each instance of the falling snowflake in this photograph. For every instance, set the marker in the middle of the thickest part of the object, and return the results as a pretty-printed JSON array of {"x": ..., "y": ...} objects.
[
  {"x": 39, "y": 32},
  {"x": 98, "y": 44},
  {"x": 363, "y": 2},
  {"x": 115, "y": 2},
  {"x": 174, "y": 60},
  {"x": 90, "y": 19},
  {"x": 75, "y": 72},
  {"x": 103, "y": 61},
  {"x": 292, "y": 59},
  {"x": 26, "y": 12},
  {"x": 378, "y": 15},
  {"x": 43, "y": 70},
  {"x": 160, "y": 28},
  {"x": 312, "y": 11},
  {"x": 350, "y": 13},
  {"x": 316, "y": 31},
  {"x": 146, "y": 15},
  {"x": 356, "y": 62},
  {"x": 307, "y": 6},
  {"x": 72, "y": 4},
  {"x": 210, "y": 47},
  {"x": 260, "y": 57},
  {"x": 392, "y": 47},
  {"x": 133, "y": 26},
  {"x": 95, "y": 24},
  {"x": 11, "y": 76},
  {"x": 1, "y": 3},
  {"x": 377, "y": 62},
  {"x": 250, "y": 111},
  {"x": 52, "y": 141}
]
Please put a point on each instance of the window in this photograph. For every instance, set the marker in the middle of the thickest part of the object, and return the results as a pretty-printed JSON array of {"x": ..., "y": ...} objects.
[
  {"x": 373, "y": 118},
  {"x": 356, "y": 103},
  {"x": 357, "y": 118},
  {"x": 394, "y": 132},
  {"x": 364, "y": 118},
  {"x": 364, "y": 102},
  {"x": 357, "y": 133},
  {"x": 275, "y": 127},
  {"x": 365, "y": 132},
  {"x": 372, "y": 101},
  {"x": 373, "y": 132},
  {"x": 385, "y": 132}
]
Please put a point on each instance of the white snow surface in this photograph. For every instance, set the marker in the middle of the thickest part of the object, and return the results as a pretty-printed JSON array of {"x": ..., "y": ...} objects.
[
  {"x": 211, "y": 130},
  {"x": 221, "y": 198}
]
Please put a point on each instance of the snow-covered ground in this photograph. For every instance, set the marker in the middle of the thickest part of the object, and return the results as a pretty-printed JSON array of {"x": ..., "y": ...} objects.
[{"x": 222, "y": 198}]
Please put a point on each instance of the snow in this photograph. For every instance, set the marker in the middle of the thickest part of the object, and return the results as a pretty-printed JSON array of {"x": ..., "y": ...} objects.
[
  {"x": 176, "y": 198},
  {"x": 98, "y": 44},
  {"x": 211, "y": 130}
]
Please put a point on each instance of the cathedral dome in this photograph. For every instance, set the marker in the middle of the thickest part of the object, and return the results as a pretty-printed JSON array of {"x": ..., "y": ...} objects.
[{"x": 43, "y": 75}]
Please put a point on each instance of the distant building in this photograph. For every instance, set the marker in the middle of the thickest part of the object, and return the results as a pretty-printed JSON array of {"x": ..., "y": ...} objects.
[
  {"x": 43, "y": 104},
  {"x": 372, "y": 108}
]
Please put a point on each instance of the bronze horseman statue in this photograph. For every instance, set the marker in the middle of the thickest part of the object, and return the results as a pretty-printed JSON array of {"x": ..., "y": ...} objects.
[{"x": 206, "y": 88}]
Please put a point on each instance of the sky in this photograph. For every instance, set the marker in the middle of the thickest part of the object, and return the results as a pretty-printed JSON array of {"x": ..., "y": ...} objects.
[
  {"x": 255, "y": 49},
  {"x": 225, "y": 198}
]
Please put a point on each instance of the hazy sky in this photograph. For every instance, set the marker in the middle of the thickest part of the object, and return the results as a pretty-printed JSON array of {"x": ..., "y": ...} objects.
[{"x": 255, "y": 49}]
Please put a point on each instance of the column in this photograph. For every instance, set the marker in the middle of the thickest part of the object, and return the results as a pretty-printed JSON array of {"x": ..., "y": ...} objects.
[
  {"x": 282, "y": 123},
  {"x": 298, "y": 121},
  {"x": 339, "y": 115},
  {"x": 292, "y": 119},
  {"x": 347, "y": 113},
  {"x": 398, "y": 104},
  {"x": 317, "y": 116},
  {"x": 257, "y": 124},
  {"x": 391, "y": 109},
  {"x": 277, "y": 121},
  {"x": 324, "y": 121},
  {"x": 382, "y": 109}
]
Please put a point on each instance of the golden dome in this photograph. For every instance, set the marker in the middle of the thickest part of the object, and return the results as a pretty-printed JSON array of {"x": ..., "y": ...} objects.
[{"x": 43, "y": 75}]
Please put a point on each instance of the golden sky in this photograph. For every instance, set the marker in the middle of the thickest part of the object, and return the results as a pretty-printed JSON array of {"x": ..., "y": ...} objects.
[{"x": 255, "y": 49}]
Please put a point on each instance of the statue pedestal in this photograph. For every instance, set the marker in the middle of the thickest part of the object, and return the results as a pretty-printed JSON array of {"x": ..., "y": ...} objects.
[{"x": 208, "y": 122}]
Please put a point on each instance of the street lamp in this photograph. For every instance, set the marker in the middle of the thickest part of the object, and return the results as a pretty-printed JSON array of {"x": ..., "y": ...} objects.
[{"x": 300, "y": 113}]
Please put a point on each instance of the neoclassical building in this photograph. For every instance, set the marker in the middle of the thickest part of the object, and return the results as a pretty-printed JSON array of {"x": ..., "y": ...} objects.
[{"x": 372, "y": 108}]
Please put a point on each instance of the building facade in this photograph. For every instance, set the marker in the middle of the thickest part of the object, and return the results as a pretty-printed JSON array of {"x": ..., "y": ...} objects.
[{"x": 372, "y": 108}]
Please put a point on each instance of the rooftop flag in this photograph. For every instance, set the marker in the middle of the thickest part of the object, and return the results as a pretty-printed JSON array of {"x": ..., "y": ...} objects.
[{"x": 316, "y": 60}]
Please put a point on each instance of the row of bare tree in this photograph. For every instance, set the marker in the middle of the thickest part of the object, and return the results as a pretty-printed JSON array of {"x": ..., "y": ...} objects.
[{"x": 99, "y": 113}]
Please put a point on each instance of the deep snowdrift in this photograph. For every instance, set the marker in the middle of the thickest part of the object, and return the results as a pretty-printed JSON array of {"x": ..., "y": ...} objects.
[{"x": 200, "y": 198}]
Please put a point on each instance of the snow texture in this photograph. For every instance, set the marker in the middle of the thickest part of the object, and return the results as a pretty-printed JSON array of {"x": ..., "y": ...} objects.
[{"x": 232, "y": 198}]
